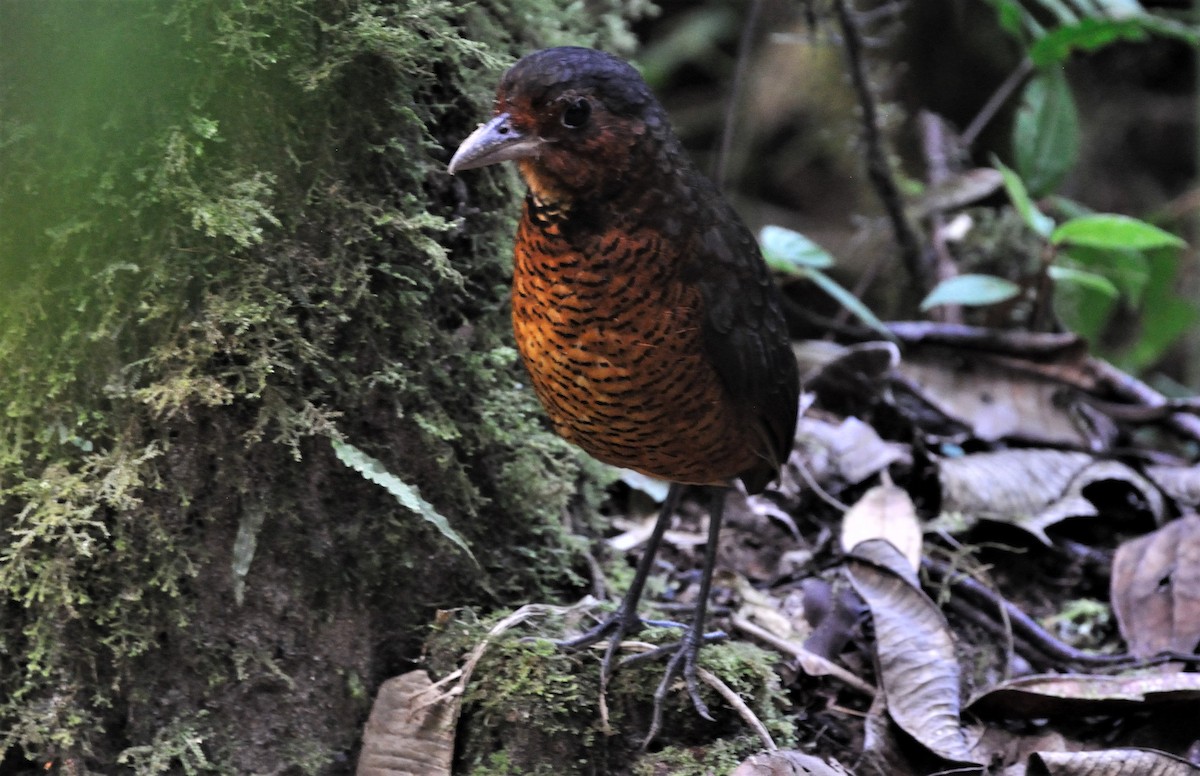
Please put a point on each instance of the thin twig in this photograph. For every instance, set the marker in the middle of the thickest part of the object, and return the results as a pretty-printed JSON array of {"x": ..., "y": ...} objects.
[
  {"x": 934, "y": 139},
  {"x": 812, "y": 663},
  {"x": 738, "y": 705},
  {"x": 822, "y": 494},
  {"x": 995, "y": 102},
  {"x": 878, "y": 169},
  {"x": 731, "y": 104}
]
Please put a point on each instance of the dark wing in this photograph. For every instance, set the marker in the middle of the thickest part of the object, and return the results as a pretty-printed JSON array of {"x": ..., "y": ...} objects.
[{"x": 745, "y": 333}]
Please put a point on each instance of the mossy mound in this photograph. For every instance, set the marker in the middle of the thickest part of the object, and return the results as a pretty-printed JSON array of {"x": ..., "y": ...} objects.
[{"x": 226, "y": 238}]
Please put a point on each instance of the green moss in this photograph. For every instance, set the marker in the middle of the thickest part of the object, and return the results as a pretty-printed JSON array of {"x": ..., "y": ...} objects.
[
  {"x": 532, "y": 708},
  {"x": 229, "y": 237},
  {"x": 176, "y": 747},
  {"x": 721, "y": 756}
]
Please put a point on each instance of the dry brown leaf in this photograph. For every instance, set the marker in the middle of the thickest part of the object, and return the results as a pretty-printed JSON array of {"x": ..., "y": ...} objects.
[
  {"x": 914, "y": 649},
  {"x": 1109, "y": 762},
  {"x": 883, "y": 752},
  {"x": 1056, "y": 695},
  {"x": 999, "y": 746},
  {"x": 884, "y": 512},
  {"x": 1156, "y": 589},
  {"x": 850, "y": 451},
  {"x": 994, "y": 401},
  {"x": 786, "y": 762},
  {"x": 410, "y": 731},
  {"x": 1180, "y": 483},
  {"x": 1030, "y": 489}
]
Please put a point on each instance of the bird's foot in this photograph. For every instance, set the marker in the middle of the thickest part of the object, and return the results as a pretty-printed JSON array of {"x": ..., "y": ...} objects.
[
  {"x": 683, "y": 663},
  {"x": 621, "y": 623}
]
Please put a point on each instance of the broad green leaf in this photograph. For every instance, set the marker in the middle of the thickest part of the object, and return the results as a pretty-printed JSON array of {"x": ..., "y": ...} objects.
[
  {"x": 971, "y": 291},
  {"x": 1083, "y": 310},
  {"x": 1015, "y": 19},
  {"x": 371, "y": 469},
  {"x": 1108, "y": 230},
  {"x": 785, "y": 250},
  {"x": 1066, "y": 207},
  {"x": 1039, "y": 222},
  {"x": 1165, "y": 315},
  {"x": 1089, "y": 34},
  {"x": 846, "y": 299},
  {"x": 1080, "y": 277},
  {"x": 1046, "y": 132},
  {"x": 1127, "y": 270}
]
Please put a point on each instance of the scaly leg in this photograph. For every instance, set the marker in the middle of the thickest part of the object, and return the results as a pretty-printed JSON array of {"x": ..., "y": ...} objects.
[
  {"x": 684, "y": 660},
  {"x": 625, "y": 619}
]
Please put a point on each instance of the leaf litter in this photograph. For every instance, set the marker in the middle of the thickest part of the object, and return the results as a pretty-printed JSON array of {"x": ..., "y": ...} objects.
[{"x": 913, "y": 567}]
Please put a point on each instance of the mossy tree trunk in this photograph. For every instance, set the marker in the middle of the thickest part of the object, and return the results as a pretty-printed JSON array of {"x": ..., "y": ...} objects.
[{"x": 227, "y": 238}]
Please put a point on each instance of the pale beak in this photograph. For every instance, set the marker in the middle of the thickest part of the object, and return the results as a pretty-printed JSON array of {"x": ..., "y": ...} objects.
[{"x": 496, "y": 141}]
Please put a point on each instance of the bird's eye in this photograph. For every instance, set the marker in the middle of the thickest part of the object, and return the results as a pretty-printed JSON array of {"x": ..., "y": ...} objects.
[{"x": 576, "y": 114}]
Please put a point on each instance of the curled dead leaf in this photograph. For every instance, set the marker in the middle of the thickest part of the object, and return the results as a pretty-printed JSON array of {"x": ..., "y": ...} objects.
[
  {"x": 410, "y": 731},
  {"x": 1031, "y": 489},
  {"x": 1109, "y": 762},
  {"x": 994, "y": 400},
  {"x": 787, "y": 762},
  {"x": 914, "y": 649},
  {"x": 1056, "y": 695},
  {"x": 1156, "y": 589},
  {"x": 884, "y": 512}
]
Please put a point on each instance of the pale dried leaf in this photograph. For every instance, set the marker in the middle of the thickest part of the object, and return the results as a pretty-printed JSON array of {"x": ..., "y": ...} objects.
[
  {"x": 997, "y": 745},
  {"x": 883, "y": 751},
  {"x": 914, "y": 649},
  {"x": 1009, "y": 486},
  {"x": 787, "y": 762},
  {"x": 410, "y": 731},
  {"x": 1156, "y": 589},
  {"x": 1110, "y": 762},
  {"x": 1055, "y": 695},
  {"x": 961, "y": 189},
  {"x": 851, "y": 451},
  {"x": 884, "y": 512},
  {"x": 764, "y": 610},
  {"x": 1030, "y": 489},
  {"x": 994, "y": 401},
  {"x": 1180, "y": 483}
]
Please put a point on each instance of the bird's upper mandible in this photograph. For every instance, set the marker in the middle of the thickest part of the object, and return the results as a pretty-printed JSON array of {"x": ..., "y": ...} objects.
[{"x": 580, "y": 123}]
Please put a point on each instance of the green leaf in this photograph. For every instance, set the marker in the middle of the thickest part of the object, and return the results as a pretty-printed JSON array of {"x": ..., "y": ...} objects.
[
  {"x": 1012, "y": 16},
  {"x": 846, "y": 299},
  {"x": 1108, "y": 230},
  {"x": 1046, "y": 132},
  {"x": 1081, "y": 277},
  {"x": 1083, "y": 310},
  {"x": 1039, "y": 222},
  {"x": 1127, "y": 270},
  {"x": 1089, "y": 34},
  {"x": 1165, "y": 315},
  {"x": 785, "y": 250},
  {"x": 971, "y": 291},
  {"x": 408, "y": 496}
]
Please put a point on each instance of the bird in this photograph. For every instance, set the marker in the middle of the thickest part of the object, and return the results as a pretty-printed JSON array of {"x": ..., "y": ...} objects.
[{"x": 642, "y": 307}]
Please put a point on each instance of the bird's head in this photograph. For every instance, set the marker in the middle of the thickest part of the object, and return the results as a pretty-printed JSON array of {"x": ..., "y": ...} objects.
[{"x": 578, "y": 122}]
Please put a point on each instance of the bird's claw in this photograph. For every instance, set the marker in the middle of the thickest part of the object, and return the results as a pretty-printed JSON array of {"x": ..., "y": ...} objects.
[
  {"x": 615, "y": 628},
  {"x": 682, "y": 663}
]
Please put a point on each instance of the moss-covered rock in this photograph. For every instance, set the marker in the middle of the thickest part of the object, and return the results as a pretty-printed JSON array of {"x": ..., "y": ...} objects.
[
  {"x": 531, "y": 708},
  {"x": 226, "y": 238}
]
